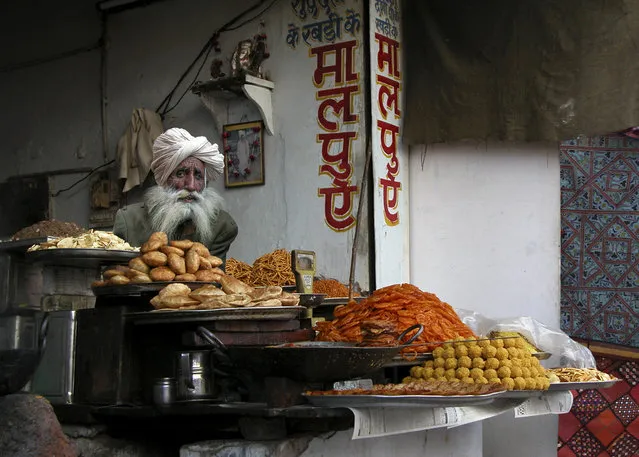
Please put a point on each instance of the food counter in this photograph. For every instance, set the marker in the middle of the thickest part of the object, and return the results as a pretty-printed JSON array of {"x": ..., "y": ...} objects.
[{"x": 173, "y": 335}]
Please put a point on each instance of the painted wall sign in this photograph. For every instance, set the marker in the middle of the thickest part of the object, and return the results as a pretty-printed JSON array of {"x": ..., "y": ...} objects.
[
  {"x": 390, "y": 158},
  {"x": 330, "y": 30}
]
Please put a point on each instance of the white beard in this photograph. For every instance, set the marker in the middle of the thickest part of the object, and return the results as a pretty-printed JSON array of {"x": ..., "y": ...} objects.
[{"x": 167, "y": 211}]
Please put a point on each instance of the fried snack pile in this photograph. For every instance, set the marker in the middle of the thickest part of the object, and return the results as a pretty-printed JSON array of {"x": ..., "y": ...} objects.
[
  {"x": 504, "y": 361},
  {"x": 331, "y": 287},
  {"x": 233, "y": 294},
  {"x": 239, "y": 270},
  {"x": 93, "y": 239},
  {"x": 52, "y": 228},
  {"x": 273, "y": 269},
  {"x": 580, "y": 374},
  {"x": 161, "y": 260},
  {"x": 419, "y": 388},
  {"x": 401, "y": 306}
]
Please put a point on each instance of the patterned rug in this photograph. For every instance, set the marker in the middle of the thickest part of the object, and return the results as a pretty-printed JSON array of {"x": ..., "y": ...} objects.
[
  {"x": 600, "y": 239},
  {"x": 604, "y": 423}
]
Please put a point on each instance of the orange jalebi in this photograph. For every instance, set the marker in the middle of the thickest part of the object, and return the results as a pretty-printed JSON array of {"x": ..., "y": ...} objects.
[{"x": 402, "y": 305}]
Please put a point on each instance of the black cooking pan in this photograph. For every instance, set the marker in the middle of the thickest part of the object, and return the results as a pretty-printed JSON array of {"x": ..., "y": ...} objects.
[{"x": 311, "y": 361}]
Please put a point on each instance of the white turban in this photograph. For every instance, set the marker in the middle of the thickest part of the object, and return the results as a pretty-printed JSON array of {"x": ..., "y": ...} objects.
[{"x": 175, "y": 145}]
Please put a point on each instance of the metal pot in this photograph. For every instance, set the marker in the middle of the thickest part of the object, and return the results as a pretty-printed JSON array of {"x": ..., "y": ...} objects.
[
  {"x": 195, "y": 378},
  {"x": 311, "y": 361},
  {"x": 17, "y": 365}
]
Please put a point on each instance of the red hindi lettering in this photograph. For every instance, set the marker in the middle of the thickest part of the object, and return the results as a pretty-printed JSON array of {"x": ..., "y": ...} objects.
[
  {"x": 339, "y": 217},
  {"x": 387, "y": 95},
  {"x": 343, "y": 68},
  {"x": 388, "y": 55},
  {"x": 386, "y": 129},
  {"x": 390, "y": 190},
  {"x": 342, "y": 159},
  {"x": 344, "y": 105}
]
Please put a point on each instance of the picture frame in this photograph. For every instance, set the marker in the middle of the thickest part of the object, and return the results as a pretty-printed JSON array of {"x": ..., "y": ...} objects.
[{"x": 243, "y": 147}]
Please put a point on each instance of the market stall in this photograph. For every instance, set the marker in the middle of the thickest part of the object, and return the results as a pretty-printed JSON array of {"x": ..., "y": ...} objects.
[{"x": 212, "y": 345}]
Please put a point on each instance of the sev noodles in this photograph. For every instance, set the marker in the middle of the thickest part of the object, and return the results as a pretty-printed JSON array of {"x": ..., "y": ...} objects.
[
  {"x": 273, "y": 269},
  {"x": 331, "y": 287},
  {"x": 401, "y": 305},
  {"x": 239, "y": 270}
]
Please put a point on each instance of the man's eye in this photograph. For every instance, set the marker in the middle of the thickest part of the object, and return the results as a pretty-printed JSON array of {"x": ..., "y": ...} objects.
[
  {"x": 180, "y": 174},
  {"x": 198, "y": 176}
]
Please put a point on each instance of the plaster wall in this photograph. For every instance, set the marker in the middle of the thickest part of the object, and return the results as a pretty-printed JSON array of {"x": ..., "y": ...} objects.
[
  {"x": 485, "y": 228},
  {"x": 55, "y": 123}
]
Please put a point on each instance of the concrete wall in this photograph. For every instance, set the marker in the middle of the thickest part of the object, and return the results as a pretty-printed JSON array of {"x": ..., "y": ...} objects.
[
  {"x": 485, "y": 227},
  {"x": 51, "y": 112},
  {"x": 54, "y": 118}
]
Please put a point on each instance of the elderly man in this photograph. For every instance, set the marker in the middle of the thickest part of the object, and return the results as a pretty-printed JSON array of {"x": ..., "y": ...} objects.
[{"x": 181, "y": 205}]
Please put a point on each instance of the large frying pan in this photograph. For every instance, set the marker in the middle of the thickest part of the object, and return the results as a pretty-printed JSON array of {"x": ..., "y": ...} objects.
[{"x": 310, "y": 361}]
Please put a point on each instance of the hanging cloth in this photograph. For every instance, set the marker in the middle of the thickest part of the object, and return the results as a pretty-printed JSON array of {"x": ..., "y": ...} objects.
[{"x": 135, "y": 147}]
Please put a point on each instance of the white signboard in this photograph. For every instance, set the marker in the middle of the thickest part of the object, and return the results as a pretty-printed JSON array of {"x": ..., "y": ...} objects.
[{"x": 390, "y": 156}]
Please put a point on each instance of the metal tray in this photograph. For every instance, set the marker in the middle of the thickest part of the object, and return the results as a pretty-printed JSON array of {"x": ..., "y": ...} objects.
[
  {"x": 400, "y": 361},
  {"x": 22, "y": 245},
  {"x": 77, "y": 257},
  {"x": 284, "y": 288},
  {"x": 334, "y": 301},
  {"x": 582, "y": 385},
  {"x": 223, "y": 314},
  {"x": 144, "y": 288},
  {"x": 523, "y": 393},
  {"x": 400, "y": 401},
  {"x": 311, "y": 300},
  {"x": 542, "y": 355}
]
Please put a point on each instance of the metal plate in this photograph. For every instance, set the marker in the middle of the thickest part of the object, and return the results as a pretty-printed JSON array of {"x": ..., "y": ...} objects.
[
  {"x": 400, "y": 361},
  {"x": 523, "y": 393},
  {"x": 340, "y": 300},
  {"x": 542, "y": 355},
  {"x": 144, "y": 288},
  {"x": 80, "y": 257},
  {"x": 410, "y": 360},
  {"x": 311, "y": 300},
  {"x": 195, "y": 316},
  {"x": 400, "y": 401},
  {"x": 582, "y": 385},
  {"x": 22, "y": 245},
  {"x": 284, "y": 288}
]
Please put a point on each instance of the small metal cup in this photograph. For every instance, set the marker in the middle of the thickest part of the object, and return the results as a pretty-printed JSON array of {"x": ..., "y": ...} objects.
[{"x": 164, "y": 391}]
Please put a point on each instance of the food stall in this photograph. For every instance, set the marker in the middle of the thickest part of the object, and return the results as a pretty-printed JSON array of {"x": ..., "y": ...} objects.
[
  {"x": 177, "y": 346},
  {"x": 158, "y": 348}
]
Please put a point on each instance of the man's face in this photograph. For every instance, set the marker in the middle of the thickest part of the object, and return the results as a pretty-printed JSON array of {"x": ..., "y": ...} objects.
[{"x": 189, "y": 175}]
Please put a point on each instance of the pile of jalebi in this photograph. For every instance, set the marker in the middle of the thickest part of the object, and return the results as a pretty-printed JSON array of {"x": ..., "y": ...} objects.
[{"x": 402, "y": 305}]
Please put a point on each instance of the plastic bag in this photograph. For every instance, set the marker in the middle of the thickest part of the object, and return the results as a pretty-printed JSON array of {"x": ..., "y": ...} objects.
[{"x": 565, "y": 351}]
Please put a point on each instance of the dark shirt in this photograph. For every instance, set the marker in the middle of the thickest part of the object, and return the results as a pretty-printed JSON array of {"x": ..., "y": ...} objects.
[{"x": 132, "y": 223}]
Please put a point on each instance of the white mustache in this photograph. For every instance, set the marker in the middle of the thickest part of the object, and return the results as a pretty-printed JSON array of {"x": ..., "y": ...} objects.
[{"x": 184, "y": 194}]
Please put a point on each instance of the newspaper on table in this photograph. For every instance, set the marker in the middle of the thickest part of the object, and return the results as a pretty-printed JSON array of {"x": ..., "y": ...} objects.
[
  {"x": 549, "y": 403},
  {"x": 386, "y": 421},
  {"x": 377, "y": 422}
]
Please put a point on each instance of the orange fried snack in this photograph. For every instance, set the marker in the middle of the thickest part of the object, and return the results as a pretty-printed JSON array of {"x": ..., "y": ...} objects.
[
  {"x": 402, "y": 305},
  {"x": 331, "y": 287}
]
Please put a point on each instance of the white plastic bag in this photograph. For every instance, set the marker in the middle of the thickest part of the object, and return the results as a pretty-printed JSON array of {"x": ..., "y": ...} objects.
[{"x": 565, "y": 351}]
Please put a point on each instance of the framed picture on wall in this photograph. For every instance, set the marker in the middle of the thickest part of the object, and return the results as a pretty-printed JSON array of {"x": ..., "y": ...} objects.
[{"x": 244, "y": 154}]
